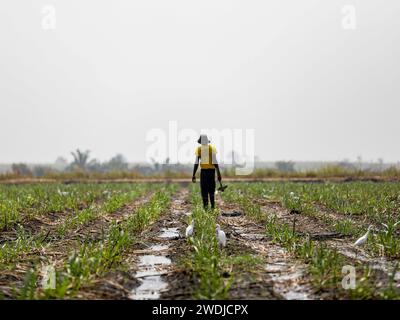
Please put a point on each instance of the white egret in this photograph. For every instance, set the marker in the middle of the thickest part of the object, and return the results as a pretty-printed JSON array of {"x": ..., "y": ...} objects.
[
  {"x": 293, "y": 196},
  {"x": 190, "y": 229},
  {"x": 221, "y": 236},
  {"x": 62, "y": 193},
  {"x": 363, "y": 239}
]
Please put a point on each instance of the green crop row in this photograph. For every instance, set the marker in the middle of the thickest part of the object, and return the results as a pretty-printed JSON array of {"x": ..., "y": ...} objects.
[
  {"x": 216, "y": 271},
  {"x": 19, "y": 203},
  {"x": 94, "y": 259},
  {"x": 325, "y": 263},
  {"x": 373, "y": 203}
]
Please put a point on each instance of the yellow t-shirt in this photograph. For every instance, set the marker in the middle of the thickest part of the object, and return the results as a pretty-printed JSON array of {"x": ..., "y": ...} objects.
[{"x": 207, "y": 156}]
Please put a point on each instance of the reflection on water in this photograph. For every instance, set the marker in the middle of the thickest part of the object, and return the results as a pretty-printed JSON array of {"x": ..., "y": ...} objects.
[{"x": 149, "y": 274}]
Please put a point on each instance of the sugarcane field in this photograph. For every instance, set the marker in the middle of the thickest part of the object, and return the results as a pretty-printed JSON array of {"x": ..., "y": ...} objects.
[
  {"x": 188, "y": 160},
  {"x": 284, "y": 240}
]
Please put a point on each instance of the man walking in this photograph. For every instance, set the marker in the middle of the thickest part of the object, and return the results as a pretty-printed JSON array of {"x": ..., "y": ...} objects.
[{"x": 206, "y": 155}]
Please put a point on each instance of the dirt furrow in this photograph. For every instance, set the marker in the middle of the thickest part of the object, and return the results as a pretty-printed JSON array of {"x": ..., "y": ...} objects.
[
  {"x": 94, "y": 230},
  {"x": 150, "y": 268},
  {"x": 45, "y": 223},
  {"x": 157, "y": 269},
  {"x": 319, "y": 230},
  {"x": 36, "y": 225},
  {"x": 283, "y": 276},
  {"x": 55, "y": 251}
]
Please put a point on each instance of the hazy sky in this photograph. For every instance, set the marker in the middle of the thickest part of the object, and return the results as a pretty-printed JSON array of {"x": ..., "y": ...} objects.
[{"x": 113, "y": 70}]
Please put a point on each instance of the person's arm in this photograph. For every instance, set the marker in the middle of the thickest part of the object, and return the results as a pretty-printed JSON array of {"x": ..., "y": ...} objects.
[
  {"x": 218, "y": 172},
  {"x": 216, "y": 165},
  {"x": 196, "y": 166}
]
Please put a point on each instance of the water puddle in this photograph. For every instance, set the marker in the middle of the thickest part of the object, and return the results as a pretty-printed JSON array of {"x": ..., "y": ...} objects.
[
  {"x": 287, "y": 275},
  {"x": 287, "y": 280},
  {"x": 151, "y": 268},
  {"x": 152, "y": 261},
  {"x": 169, "y": 233},
  {"x": 380, "y": 264},
  {"x": 292, "y": 295},
  {"x": 150, "y": 289},
  {"x": 158, "y": 247}
]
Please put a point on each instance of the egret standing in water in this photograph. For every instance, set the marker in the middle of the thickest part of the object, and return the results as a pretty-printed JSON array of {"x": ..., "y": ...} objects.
[
  {"x": 221, "y": 236},
  {"x": 190, "y": 230}
]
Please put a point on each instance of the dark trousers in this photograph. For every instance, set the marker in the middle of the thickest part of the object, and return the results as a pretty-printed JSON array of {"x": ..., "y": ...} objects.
[{"x": 207, "y": 185}]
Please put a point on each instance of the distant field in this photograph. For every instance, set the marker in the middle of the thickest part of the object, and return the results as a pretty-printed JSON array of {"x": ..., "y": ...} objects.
[
  {"x": 187, "y": 180},
  {"x": 285, "y": 240},
  {"x": 328, "y": 171}
]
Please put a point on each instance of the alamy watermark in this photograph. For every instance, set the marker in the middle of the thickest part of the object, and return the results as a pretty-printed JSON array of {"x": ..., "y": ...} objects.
[
  {"x": 49, "y": 20},
  {"x": 48, "y": 277},
  {"x": 235, "y": 147},
  {"x": 349, "y": 279},
  {"x": 349, "y": 17}
]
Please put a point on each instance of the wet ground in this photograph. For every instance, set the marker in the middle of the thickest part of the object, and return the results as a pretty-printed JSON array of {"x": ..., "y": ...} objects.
[
  {"x": 153, "y": 268},
  {"x": 321, "y": 231},
  {"x": 164, "y": 243},
  {"x": 156, "y": 270},
  {"x": 283, "y": 275}
]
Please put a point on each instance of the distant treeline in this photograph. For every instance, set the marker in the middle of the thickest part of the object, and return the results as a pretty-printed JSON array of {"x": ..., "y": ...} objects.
[{"x": 82, "y": 166}]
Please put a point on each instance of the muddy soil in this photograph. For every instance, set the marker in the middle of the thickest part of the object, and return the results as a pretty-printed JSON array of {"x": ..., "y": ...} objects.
[
  {"x": 45, "y": 223},
  {"x": 315, "y": 227},
  {"x": 280, "y": 276},
  {"x": 57, "y": 250},
  {"x": 151, "y": 270},
  {"x": 154, "y": 267}
]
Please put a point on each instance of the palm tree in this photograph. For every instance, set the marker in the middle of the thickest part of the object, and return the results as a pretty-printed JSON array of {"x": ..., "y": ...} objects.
[{"x": 81, "y": 159}]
